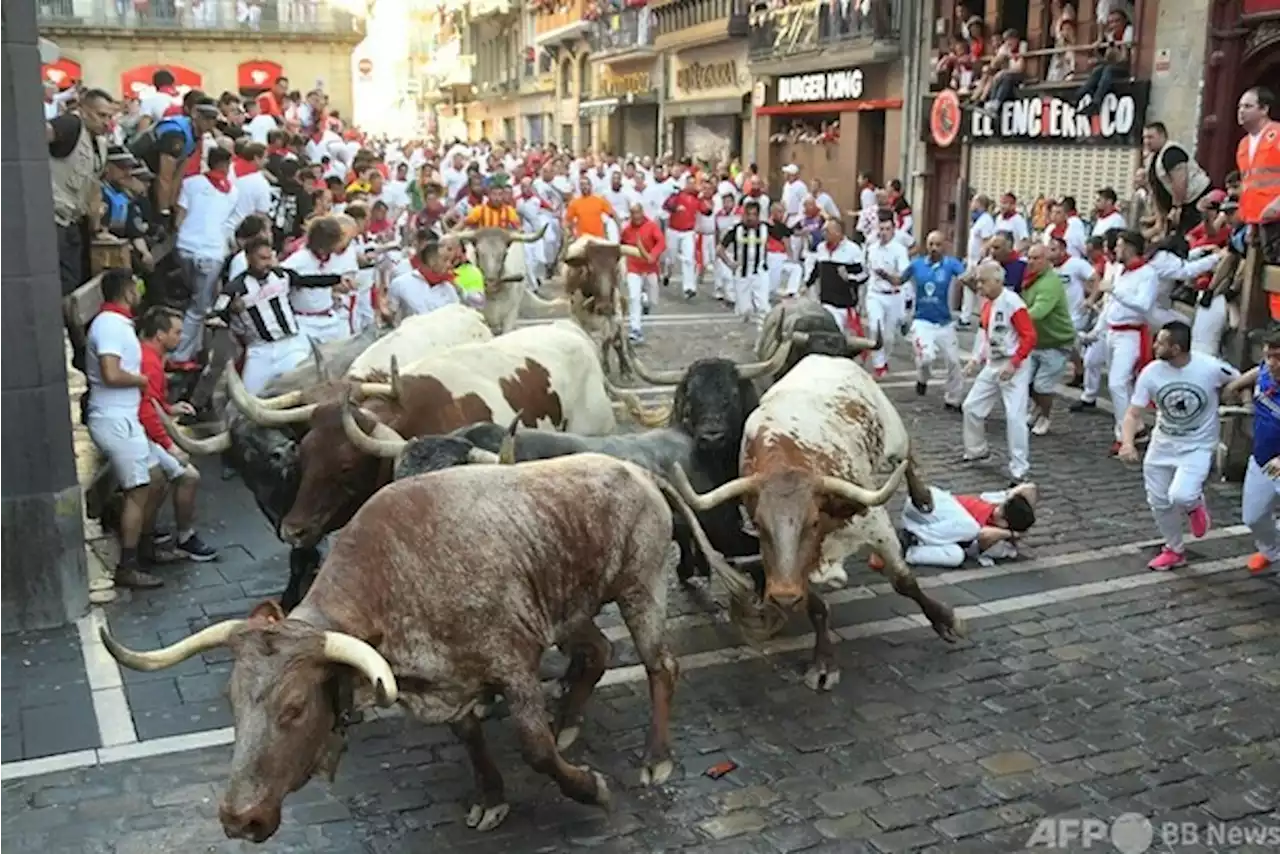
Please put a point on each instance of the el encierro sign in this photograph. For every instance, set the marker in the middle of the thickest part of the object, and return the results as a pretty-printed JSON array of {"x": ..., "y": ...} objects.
[{"x": 699, "y": 76}]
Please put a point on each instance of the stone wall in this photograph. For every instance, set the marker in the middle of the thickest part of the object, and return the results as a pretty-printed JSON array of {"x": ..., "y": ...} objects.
[{"x": 1176, "y": 91}]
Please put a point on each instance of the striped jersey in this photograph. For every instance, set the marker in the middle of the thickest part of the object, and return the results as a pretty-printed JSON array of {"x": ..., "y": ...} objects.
[
  {"x": 485, "y": 216},
  {"x": 748, "y": 247},
  {"x": 266, "y": 314}
]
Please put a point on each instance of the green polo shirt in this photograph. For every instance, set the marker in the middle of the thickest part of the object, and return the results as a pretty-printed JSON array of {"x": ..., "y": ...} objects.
[{"x": 1046, "y": 300}]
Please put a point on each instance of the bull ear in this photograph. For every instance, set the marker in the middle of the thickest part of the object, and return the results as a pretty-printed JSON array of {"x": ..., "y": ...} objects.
[
  {"x": 268, "y": 611},
  {"x": 837, "y": 510}
]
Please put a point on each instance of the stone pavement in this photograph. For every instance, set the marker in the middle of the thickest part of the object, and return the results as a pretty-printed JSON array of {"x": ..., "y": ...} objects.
[{"x": 1089, "y": 687}]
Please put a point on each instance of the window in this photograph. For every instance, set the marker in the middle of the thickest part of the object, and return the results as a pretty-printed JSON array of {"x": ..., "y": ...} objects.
[
  {"x": 566, "y": 79},
  {"x": 584, "y": 78}
]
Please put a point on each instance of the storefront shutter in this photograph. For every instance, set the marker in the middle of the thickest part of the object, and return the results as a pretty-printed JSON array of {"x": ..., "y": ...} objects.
[{"x": 1053, "y": 171}]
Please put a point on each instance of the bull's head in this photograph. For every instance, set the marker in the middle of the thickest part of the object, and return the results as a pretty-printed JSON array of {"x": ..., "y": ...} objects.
[
  {"x": 491, "y": 245},
  {"x": 284, "y": 689},
  {"x": 711, "y": 404},
  {"x": 334, "y": 477},
  {"x": 822, "y": 336},
  {"x": 746, "y": 370},
  {"x": 417, "y": 456},
  {"x": 793, "y": 511}
]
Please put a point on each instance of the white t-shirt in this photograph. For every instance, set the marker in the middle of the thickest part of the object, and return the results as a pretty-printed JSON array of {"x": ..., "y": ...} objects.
[
  {"x": 259, "y": 126},
  {"x": 253, "y": 193},
  {"x": 1076, "y": 273},
  {"x": 156, "y": 103},
  {"x": 891, "y": 257},
  {"x": 210, "y": 218},
  {"x": 1186, "y": 402},
  {"x": 239, "y": 263},
  {"x": 112, "y": 334},
  {"x": 984, "y": 228},
  {"x": 1015, "y": 226},
  {"x": 1103, "y": 224},
  {"x": 414, "y": 296}
]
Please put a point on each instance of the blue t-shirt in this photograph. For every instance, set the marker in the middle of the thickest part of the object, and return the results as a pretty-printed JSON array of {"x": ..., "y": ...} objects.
[
  {"x": 933, "y": 286},
  {"x": 1014, "y": 272},
  {"x": 1266, "y": 417}
]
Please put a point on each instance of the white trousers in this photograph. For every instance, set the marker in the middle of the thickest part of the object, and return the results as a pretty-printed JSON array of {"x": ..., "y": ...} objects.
[
  {"x": 707, "y": 242},
  {"x": 535, "y": 263},
  {"x": 752, "y": 294},
  {"x": 931, "y": 340},
  {"x": 1174, "y": 485},
  {"x": 724, "y": 286},
  {"x": 1095, "y": 362},
  {"x": 1259, "y": 504},
  {"x": 324, "y": 328},
  {"x": 884, "y": 312},
  {"x": 1208, "y": 326},
  {"x": 969, "y": 303},
  {"x": 1015, "y": 394},
  {"x": 639, "y": 284},
  {"x": 266, "y": 360},
  {"x": 681, "y": 243},
  {"x": 784, "y": 274},
  {"x": 1124, "y": 347}
]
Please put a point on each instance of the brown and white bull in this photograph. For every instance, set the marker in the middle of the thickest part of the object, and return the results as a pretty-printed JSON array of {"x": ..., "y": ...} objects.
[
  {"x": 499, "y": 253},
  {"x": 442, "y": 590},
  {"x": 420, "y": 335},
  {"x": 594, "y": 276},
  {"x": 810, "y": 452},
  {"x": 550, "y": 375}
]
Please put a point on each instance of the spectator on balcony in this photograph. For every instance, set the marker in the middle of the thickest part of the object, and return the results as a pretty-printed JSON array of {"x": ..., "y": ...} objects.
[
  {"x": 1007, "y": 71},
  {"x": 1110, "y": 60},
  {"x": 954, "y": 69},
  {"x": 1062, "y": 65}
]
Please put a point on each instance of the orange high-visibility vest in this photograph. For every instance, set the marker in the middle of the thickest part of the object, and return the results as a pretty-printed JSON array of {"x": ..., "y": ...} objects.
[{"x": 1260, "y": 174}]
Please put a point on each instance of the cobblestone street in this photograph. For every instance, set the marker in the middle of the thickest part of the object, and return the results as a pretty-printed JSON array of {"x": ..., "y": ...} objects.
[{"x": 1088, "y": 688}]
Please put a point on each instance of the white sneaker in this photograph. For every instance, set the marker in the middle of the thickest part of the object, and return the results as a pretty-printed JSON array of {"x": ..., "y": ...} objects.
[
  {"x": 1041, "y": 427},
  {"x": 1033, "y": 417}
]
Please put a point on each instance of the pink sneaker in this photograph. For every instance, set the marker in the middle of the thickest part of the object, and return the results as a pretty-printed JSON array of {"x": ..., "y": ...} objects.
[
  {"x": 1199, "y": 519},
  {"x": 1166, "y": 560}
]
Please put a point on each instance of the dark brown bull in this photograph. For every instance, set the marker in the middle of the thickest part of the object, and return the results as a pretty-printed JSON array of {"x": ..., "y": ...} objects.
[
  {"x": 594, "y": 282},
  {"x": 441, "y": 590}
]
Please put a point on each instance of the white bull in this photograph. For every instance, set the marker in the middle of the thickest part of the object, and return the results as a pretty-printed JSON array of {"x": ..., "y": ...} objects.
[
  {"x": 420, "y": 335},
  {"x": 499, "y": 253},
  {"x": 810, "y": 453}
]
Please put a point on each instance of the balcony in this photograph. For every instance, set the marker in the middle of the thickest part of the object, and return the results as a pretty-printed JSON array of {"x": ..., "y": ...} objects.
[
  {"x": 559, "y": 21},
  {"x": 687, "y": 23},
  {"x": 623, "y": 34},
  {"x": 484, "y": 8},
  {"x": 301, "y": 18},
  {"x": 781, "y": 31}
]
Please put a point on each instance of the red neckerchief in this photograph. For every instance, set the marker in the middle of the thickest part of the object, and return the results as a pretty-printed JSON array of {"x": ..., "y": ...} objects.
[
  {"x": 1099, "y": 265},
  {"x": 901, "y": 217},
  {"x": 431, "y": 277},
  {"x": 322, "y": 257},
  {"x": 1134, "y": 264},
  {"x": 1106, "y": 212},
  {"x": 317, "y": 135},
  {"x": 278, "y": 150},
  {"x": 116, "y": 308},
  {"x": 171, "y": 91},
  {"x": 379, "y": 227},
  {"x": 832, "y": 247},
  {"x": 1009, "y": 215},
  {"x": 218, "y": 178},
  {"x": 1028, "y": 278},
  {"x": 242, "y": 167},
  {"x": 1059, "y": 230}
]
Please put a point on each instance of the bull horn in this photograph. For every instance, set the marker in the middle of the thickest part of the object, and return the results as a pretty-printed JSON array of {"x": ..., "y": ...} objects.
[
  {"x": 215, "y": 444},
  {"x": 862, "y": 495},
  {"x": 507, "y": 450},
  {"x": 465, "y": 234},
  {"x": 663, "y": 377},
  {"x": 321, "y": 369},
  {"x": 1235, "y": 411},
  {"x": 521, "y": 237},
  {"x": 395, "y": 378},
  {"x": 659, "y": 417},
  {"x": 209, "y": 638},
  {"x": 772, "y": 365},
  {"x": 256, "y": 411},
  {"x": 385, "y": 441},
  {"x": 345, "y": 649},
  {"x": 859, "y": 344},
  {"x": 630, "y": 251},
  {"x": 538, "y": 302},
  {"x": 735, "y": 488}
]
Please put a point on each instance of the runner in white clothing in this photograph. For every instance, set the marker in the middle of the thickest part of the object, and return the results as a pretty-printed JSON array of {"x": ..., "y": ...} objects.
[
  {"x": 887, "y": 261},
  {"x": 1186, "y": 388}
]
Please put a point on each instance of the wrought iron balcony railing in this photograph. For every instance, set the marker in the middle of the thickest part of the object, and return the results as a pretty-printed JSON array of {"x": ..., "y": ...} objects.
[
  {"x": 780, "y": 28},
  {"x": 268, "y": 16},
  {"x": 676, "y": 16},
  {"x": 624, "y": 31}
]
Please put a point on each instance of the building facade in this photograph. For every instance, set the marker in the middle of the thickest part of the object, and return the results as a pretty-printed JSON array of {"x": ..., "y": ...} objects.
[
  {"x": 560, "y": 29},
  {"x": 828, "y": 92},
  {"x": 627, "y": 77},
  {"x": 496, "y": 36},
  {"x": 443, "y": 66},
  {"x": 1035, "y": 146},
  {"x": 216, "y": 46},
  {"x": 707, "y": 103}
]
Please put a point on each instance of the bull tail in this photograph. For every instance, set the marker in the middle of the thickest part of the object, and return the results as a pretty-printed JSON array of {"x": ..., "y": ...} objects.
[{"x": 761, "y": 620}]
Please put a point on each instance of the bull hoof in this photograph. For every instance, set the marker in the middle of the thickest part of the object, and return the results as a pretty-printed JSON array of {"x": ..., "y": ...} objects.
[
  {"x": 954, "y": 632},
  {"x": 601, "y": 797},
  {"x": 482, "y": 818},
  {"x": 822, "y": 677},
  {"x": 482, "y": 711},
  {"x": 656, "y": 773},
  {"x": 567, "y": 736}
]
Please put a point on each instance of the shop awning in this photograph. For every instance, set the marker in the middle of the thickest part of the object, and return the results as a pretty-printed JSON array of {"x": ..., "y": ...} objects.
[
  {"x": 136, "y": 82},
  {"x": 600, "y": 107},
  {"x": 63, "y": 73},
  {"x": 258, "y": 74}
]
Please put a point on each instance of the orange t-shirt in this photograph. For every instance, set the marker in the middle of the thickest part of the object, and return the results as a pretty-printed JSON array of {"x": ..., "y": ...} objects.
[{"x": 586, "y": 214}]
